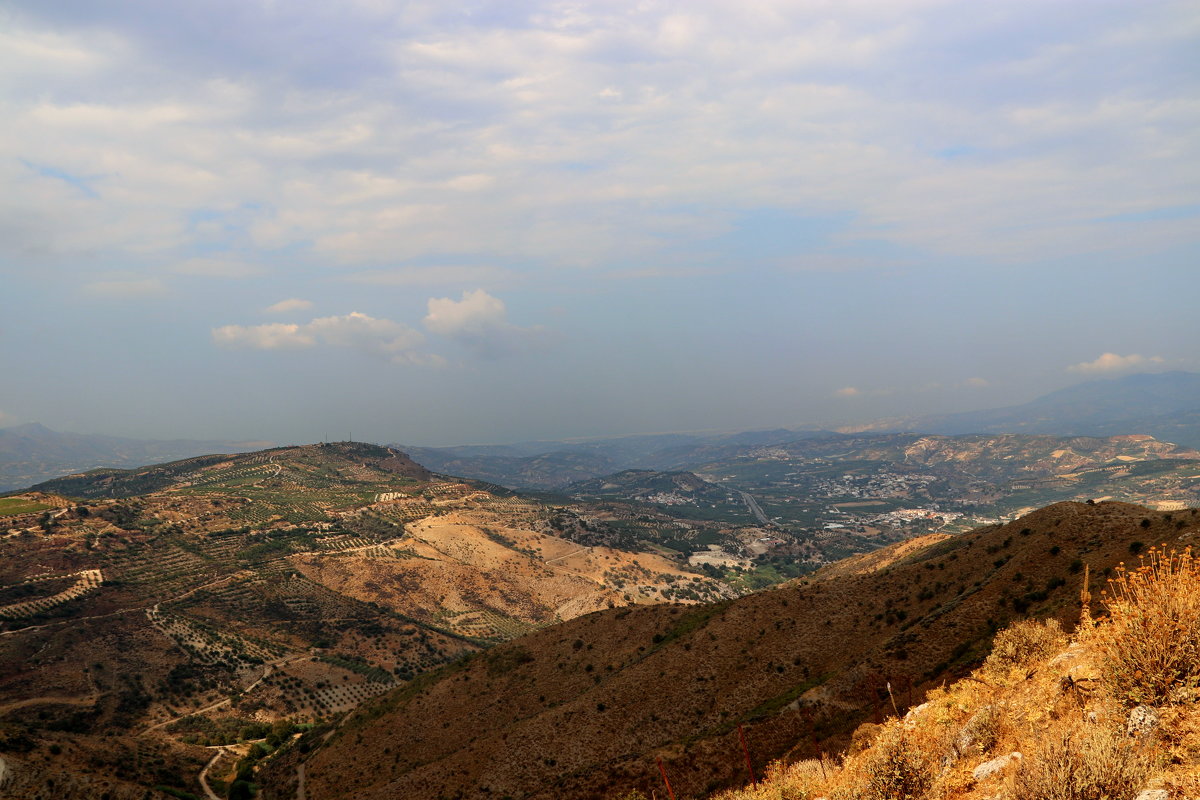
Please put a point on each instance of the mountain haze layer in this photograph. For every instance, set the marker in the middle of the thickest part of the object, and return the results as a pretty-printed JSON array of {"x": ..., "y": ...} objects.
[
  {"x": 33, "y": 453},
  {"x": 1164, "y": 405}
]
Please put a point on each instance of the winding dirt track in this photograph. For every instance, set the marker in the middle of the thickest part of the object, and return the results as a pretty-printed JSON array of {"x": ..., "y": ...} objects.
[{"x": 208, "y": 792}]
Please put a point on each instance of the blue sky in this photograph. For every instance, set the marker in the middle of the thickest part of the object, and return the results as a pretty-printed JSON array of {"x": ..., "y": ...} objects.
[{"x": 481, "y": 222}]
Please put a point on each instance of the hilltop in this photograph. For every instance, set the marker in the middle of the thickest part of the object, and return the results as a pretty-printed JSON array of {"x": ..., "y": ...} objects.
[
  {"x": 585, "y": 709},
  {"x": 183, "y": 606}
]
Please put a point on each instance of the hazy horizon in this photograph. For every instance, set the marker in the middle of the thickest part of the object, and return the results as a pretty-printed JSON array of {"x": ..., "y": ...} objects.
[{"x": 498, "y": 222}]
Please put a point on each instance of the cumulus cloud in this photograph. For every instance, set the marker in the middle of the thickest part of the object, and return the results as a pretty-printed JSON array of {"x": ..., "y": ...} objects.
[
  {"x": 291, "y": 304},
  {"x": 272, "y": 336},
  {"x": 393, "y": 341},
  {"x": 479, "y": 321},
  {"x": 382, "y": 338},
  {"x": 1111, "y": 362}
]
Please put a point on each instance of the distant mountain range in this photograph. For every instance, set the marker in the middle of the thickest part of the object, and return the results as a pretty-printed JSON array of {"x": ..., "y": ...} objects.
[
  {"x": 1164, "y": 405},
  {"x": 552, "y": 465},
  {"x": 33, "y": 453}
]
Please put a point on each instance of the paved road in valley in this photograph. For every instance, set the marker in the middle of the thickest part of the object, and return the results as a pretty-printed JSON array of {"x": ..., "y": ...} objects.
[{"x": 755, "y": 508}]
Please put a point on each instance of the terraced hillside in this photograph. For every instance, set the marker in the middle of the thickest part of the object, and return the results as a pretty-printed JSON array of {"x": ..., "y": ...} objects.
[{"x": 188, "y": 604}]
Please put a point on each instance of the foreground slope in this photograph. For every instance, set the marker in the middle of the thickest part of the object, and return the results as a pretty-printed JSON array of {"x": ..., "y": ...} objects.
[
  {"x": 1114, "y": 712},
  {"x": 584, "y": 709}
]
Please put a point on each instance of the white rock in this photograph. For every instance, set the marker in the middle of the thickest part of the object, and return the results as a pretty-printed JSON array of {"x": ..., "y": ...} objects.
[
  {"x": 1142, "y": 720},
  {"x": 910, "y": 719},
  {"x": 989, "y": 768},
  {"x": 1153, "y": 794}
]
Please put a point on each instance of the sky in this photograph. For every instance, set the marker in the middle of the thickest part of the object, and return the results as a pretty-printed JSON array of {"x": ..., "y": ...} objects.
[{"x": 450, "y": 222}]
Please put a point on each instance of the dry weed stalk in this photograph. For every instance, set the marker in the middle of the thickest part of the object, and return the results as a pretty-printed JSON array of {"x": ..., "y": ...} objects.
[{"x": 1085, "y": 601}]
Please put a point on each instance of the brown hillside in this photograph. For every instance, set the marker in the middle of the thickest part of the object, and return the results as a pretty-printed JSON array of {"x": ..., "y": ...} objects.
[{"x": 583, "y": 709}]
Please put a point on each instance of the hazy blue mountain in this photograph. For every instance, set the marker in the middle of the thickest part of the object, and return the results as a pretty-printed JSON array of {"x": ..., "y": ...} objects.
[
  {"x": 1164, "y": 405},
  {"x": 33, "y": 453}
]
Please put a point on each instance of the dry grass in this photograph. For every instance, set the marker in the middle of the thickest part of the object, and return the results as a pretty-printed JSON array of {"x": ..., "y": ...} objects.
[
  {"x": 1151, "y": 653},
  {"x": 982, "y": 733},
  {"x": 897, "y": 767},
  {"x": 1022, "y": 643},
  {"x": 1089, "y": 762}
]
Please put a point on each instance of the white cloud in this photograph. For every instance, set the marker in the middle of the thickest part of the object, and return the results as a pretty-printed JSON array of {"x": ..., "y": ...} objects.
[
  {"x": 271, "y": 336},
  {"x": 848, "y": 391},
  {"x": 1111, "y": 362},
  {"x": 480, "y": 322},
  {"x": 291, "y": 304},
  {"x": 382, "y": 338},
  {"x": 393, "y": 341},
  {"x": 498, "y": 146}
]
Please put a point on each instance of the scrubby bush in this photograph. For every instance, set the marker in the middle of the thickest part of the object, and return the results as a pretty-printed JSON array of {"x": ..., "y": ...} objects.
[
  {"x": 1022, "y": 643},
  {"x": 1151, "y": 653},
  {"x": 897, "y": 768},
  {"x": 1094, "y": 763},
  {"x": 981, "y": 733}
]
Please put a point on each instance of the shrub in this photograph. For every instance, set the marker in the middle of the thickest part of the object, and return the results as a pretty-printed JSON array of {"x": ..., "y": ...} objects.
[
  {"x": 897, "y": 768},
  {"x": 1095, "y": 764},
  {"x": 1022, "y": 643},
  {"x": 1151, "y": 653},
  {"x": 981, "y": 733}
]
